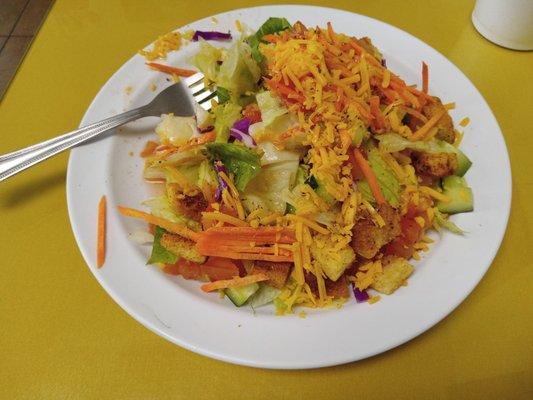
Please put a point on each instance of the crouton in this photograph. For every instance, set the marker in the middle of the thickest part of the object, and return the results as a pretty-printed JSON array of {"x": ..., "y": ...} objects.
[
  {"x": 369, "y": 238},
  {"x": 395, "y": 271},
  {"x": 436, "y": 165},
  {"x": 444, "y": 124},
  {"x": 277, "y": 272},
  {"x": 188, "y": 205},
  {"x": 337, "y": 289},
  {"x": 182, "y": 247},
  {"x": 332, "y": 261}
]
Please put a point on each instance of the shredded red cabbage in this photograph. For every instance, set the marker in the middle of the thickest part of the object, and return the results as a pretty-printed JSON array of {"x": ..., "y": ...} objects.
[
  {"x": 219, "y": 167},
  {"x": 239, "y": 131},
  {"x": 242, "y": 125},
  {"x": 360, "y": 296},
  {"x": 211, "y": 35}
]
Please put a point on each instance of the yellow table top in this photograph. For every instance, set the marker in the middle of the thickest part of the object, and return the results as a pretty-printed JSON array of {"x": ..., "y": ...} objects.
[{"x": 62, "y": 336}]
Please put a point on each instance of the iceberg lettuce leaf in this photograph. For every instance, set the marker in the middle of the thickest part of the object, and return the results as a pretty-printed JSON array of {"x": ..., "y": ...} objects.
[
  {"x": 388, "y": 183},
  {"x": 267, "y": 188},
  {"x": 239, "y": 73},
  {"x": 206, "y": 60},
  {"x": 442, "y": 222},
  {"x": 242, "y": 162},
  {"x": 270, "y": 26},
  {"x": 225, "y": 116}
]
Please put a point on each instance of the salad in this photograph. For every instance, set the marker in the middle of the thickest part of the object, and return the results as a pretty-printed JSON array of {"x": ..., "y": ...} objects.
[{"x": 317, "y": 172}]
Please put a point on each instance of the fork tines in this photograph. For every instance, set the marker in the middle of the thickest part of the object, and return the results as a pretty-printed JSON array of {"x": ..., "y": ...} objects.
[{"x": 202, "y": 93}]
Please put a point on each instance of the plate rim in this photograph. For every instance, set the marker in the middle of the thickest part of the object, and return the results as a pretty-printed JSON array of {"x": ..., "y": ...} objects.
[{"x": 273, "y": 365}]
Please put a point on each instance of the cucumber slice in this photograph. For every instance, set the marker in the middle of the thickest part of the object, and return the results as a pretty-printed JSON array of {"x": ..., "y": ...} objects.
[
  {"x": 463, "y": 162},
  {"x": 239, "y": 295},
  {"x": 320, "y": 190},
  {"x": 461, "y": 197}
]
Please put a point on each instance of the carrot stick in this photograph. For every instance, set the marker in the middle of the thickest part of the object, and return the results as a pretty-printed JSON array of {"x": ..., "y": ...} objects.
[
  {"x": 163, "y": 223},
  {"x": 167, "y": 69},
  {"x": 376, "y": 112},
  {"x": 205, "y": 138},
  {"x": 369, "y": 175},
  {"x": 241, "y": 248},
  {"x": 100, "y": 241},
  {"x": 228, "y": 240},
  {"x": 237, "y": 234},
  {"x": 253, "y": 256},
  {"x": 420, "y": 133},
  {"x": 235, "y": 282},
  {"x": 425, "y": 78}
]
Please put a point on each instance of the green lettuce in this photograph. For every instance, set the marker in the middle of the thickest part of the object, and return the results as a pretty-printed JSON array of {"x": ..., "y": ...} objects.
[
  {"x": 225, "y": 116},
  {"x": 160, "y": 255},
  {"x": 242, "y": 162},
  {"x": 388, "y": 183},
  {"x": 223, "y": 95},
  {"x": 271, "y": 25}
]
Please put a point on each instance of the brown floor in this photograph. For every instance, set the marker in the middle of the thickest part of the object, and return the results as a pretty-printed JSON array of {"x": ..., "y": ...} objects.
[{"x": 19, "y": 22}]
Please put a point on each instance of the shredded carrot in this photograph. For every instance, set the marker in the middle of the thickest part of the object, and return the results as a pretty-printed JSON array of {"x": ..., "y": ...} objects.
[
  {"x": 369, "y": 175},
  {"x": 163, "y": 223},
  {"x": 379, "y": 121},
  {"x": 167, "y": 69},
  {"x": 425, "y": 78},
  {"x": 197, "y": 141},
  {"x": 270, "y": 38},
  {"x": 235, "y": 282},
  {"x": 100, "y": 242},
  {"x": 286, "y": 91},
  {"x": 149, "y": 149},
  {"x": 420, "y": 133}
]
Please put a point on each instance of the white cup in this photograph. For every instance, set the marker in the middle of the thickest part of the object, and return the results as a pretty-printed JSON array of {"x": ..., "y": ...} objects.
[{"x": 508, "y": 23}]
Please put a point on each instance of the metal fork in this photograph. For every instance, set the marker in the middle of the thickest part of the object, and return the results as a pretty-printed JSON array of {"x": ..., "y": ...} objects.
[{"x": 173, "y": 99}]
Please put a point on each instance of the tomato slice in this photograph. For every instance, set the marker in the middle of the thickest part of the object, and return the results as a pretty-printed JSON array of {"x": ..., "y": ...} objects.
[
  {"x": 218, "y": 268},
  {"x": 410, "y": 230},
  {"x": 399, "y": 247}
]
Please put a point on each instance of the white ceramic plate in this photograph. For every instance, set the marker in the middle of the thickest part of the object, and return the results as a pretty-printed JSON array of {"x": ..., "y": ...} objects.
[{"x": 177, "y": 310}]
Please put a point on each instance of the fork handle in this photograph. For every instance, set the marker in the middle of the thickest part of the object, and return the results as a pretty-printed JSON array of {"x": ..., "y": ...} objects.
[{"x": 17, "y": 161}]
